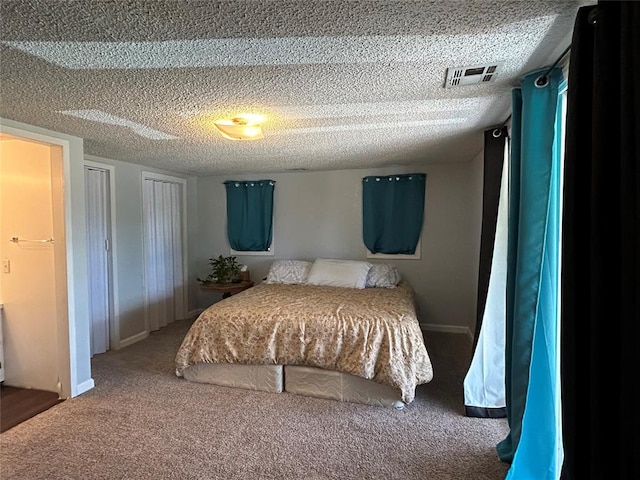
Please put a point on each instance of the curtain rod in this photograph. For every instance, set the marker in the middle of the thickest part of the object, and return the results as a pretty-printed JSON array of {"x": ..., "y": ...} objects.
[
  {"x": 558, "y": 60},
  {"x": 544, "y": 79}
]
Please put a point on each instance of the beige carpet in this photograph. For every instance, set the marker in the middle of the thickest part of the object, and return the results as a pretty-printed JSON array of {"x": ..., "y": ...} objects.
[{"x": 142, "y": 422}]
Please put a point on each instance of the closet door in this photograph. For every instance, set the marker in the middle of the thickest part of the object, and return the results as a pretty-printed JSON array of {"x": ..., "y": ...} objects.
[
  {"x": 163, "y": 252},
  {"x": 97, "y": 199}
]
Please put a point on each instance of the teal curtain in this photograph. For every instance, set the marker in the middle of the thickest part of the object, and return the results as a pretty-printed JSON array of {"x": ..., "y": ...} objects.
[
  {"x": 392, "y": 212},
  {"x": 533, "y": 445},
  {"x": 250, "y": 214}
]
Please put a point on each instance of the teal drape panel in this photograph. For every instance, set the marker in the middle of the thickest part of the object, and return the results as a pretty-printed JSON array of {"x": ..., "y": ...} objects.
[
  {"x": 392, "y": 212},
  {"x": 250, "y": 214},
  {"x": 533, "y": 443}
]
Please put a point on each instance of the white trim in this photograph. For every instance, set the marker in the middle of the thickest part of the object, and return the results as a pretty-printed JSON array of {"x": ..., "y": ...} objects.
[
  {"x": 146, "y": 175},
  {"x": 399, "y": 256},
  {"x": 133, "y": 339},
  {"x": 69, "y": 343},
  {"x": 434, "y": 327},
  {"x": 85, "y": 386},
  {"x": 239, "y": 253},
  {"x": 114, "y": 339}
]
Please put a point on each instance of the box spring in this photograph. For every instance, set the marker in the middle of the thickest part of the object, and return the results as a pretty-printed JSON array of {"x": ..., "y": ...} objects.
[{"x": 301, "y": 380}]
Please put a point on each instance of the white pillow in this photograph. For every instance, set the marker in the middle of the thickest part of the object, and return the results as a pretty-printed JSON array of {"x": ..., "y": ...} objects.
[
  {"x": 383, "y": 275},
  {"x": 291, "y": 272},
  {"x": 338, "y": 273}
]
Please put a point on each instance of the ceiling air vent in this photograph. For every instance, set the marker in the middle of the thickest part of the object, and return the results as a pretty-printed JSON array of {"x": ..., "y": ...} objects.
[{"x": 472, "y": 75}]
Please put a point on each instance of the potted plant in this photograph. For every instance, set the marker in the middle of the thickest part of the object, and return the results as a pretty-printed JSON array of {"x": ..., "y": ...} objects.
[{"x": 223, "y": 270}]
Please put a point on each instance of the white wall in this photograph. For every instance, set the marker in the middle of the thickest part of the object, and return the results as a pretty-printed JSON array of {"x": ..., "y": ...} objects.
[{"x": 319, "y": 214}]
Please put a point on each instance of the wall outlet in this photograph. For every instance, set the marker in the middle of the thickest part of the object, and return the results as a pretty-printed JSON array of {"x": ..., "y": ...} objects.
[{"x": 6, "y": 266}]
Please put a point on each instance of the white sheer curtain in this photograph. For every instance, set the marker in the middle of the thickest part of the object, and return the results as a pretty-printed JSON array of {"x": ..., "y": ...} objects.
[
  {"x": 484, "y": 384},
  {"x": 164, "y": 277},
  {"x": 96, "y": 195}
]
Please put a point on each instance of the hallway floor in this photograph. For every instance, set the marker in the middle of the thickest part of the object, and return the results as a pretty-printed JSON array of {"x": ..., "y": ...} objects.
[{"x": 20, "y": 404}]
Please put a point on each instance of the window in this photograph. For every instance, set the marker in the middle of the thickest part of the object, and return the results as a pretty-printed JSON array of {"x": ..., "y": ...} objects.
[
  {"x": 392, "y": 214},
  {"x": 250, "y": 216}
]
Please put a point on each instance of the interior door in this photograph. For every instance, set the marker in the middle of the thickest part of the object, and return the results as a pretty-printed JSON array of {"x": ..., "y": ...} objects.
[
  {"x": 162, "y": 214},
  {"x": 98, "y": 199}
]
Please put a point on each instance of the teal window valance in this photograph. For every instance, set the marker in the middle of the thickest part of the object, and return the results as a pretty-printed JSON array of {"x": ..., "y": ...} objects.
[
  {"x": 392, "y": 212},
  {"x": 250, "y": 214}
]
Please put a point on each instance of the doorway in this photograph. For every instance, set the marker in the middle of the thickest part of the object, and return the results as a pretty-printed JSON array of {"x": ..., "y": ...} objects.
[{"x": 33, "y": 250}]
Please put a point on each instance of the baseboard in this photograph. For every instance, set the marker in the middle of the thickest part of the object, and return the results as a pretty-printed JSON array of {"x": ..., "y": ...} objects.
[
  {"x": 133, "y": 339},
  {"x": 448, "y": 329},
  {"x": 194, "y": 313},
  {"x": 84, "y": 386}
]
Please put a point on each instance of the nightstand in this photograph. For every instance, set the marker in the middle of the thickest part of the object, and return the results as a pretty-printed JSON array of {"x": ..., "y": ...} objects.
[{"x": 227, "y": 289}]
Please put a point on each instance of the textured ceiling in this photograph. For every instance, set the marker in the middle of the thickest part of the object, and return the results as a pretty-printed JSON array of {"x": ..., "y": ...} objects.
[{"x": 343, "y": 84}]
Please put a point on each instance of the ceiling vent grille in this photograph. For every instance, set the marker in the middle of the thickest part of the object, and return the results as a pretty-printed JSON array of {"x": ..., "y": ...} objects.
[{"x": 472, "y": 75}]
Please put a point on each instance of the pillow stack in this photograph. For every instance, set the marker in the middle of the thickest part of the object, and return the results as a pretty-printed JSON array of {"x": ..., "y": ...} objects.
[{"x": 334, "y": 273}]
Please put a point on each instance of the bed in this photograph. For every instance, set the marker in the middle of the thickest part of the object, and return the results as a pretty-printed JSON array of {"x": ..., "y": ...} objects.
[{"x": 311, "y": 338}]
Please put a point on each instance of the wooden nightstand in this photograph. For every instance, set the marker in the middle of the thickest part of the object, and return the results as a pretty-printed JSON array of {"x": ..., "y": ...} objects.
[{"x": 227, "y": 289}]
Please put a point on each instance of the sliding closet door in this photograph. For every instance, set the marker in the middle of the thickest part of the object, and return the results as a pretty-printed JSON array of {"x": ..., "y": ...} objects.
[
  {"x": 163, "y": 251},
  {"x": 97, "y": 199}
]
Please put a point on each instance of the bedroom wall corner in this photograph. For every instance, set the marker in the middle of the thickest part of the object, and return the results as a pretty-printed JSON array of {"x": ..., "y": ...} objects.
[
  {"x": 475, "y": 191},
  {"x": 193, "y": 226},
  {"x": 211, "y": 240}
]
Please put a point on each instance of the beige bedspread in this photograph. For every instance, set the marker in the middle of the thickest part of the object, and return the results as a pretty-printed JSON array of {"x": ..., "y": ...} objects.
[{"x": 372, "y": 333}]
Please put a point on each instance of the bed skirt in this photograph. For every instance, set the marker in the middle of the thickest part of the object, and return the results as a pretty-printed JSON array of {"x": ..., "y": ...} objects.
[
  {"x": 300, "y": 380},
  {"x": 266, "y": 378},
  {"x": 316, "y": 382}
]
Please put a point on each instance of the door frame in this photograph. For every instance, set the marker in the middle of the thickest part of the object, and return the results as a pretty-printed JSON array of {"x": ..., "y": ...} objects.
[
  {"x": 66, "y": 319},
  {"x": 114, "y": 317}
]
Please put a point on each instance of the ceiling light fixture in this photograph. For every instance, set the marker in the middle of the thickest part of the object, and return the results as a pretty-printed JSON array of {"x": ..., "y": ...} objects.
[{"x": 245, "y": 127}]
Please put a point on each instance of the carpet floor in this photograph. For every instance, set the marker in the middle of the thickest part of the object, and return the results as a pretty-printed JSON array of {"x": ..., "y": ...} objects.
[{"x": 142, "y": 422}]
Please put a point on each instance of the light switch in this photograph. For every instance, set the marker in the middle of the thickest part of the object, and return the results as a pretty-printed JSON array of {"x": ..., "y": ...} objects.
[{"x": 6, "y": 266}]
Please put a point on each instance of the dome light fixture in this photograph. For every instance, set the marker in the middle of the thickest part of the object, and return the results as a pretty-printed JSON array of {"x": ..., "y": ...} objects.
[{"x": 242, "y": 127}]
